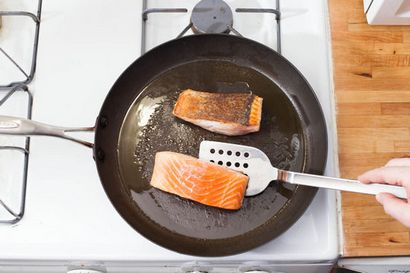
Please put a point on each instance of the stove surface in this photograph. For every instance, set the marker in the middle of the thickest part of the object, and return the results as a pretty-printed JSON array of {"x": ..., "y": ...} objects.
[{"x": 84, "y": 47}]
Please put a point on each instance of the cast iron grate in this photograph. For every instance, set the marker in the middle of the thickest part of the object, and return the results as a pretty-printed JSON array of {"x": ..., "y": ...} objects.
[{"x": 197, "y": 24}]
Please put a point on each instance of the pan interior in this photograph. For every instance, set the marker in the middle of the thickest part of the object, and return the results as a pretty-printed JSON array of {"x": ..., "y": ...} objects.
[{"x": 150, "y": 127}]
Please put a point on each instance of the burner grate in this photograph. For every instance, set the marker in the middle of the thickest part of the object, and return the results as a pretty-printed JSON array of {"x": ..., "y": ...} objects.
[
  {"x": 16, "y": 100},
  {"x": 215, "y": 10},
  {"x": 28, "y": 75},
  {"x": 13, "y": 193}
]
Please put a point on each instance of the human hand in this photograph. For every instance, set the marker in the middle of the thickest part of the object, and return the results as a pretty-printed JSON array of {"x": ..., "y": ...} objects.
[{"x": 395, "y": 172}]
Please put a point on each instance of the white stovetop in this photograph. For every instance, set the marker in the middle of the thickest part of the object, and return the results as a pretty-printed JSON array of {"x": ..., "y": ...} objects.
[{"x": 84, "y": 47}]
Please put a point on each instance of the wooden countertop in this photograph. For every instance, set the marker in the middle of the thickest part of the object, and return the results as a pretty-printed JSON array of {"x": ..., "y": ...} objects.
[{"x": 372, "y": 85}]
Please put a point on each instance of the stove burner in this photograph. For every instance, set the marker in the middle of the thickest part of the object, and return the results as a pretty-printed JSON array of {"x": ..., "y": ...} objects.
[{"x": 211, "y": 16}]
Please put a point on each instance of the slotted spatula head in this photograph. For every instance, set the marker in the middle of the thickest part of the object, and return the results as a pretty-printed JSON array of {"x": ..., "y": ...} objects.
[{"x": 248, "y": 160}]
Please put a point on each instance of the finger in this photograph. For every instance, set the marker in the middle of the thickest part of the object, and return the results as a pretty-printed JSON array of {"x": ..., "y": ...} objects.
[
  {"x": 390, "y": 175},
  {"x": 397, "y": 208},
  {"x": 399, "y": 162},
  {"x": 369, "y": 176}
]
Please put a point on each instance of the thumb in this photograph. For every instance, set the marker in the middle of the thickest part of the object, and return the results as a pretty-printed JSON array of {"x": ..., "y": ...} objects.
[{"x": 395, "y": 207}]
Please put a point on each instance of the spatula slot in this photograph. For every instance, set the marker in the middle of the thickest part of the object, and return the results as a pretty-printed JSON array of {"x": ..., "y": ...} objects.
[{"x": 229, "y": 163}]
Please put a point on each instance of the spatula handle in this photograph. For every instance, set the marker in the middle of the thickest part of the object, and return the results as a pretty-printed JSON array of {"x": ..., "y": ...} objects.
[{"x": 341, "y": 184}]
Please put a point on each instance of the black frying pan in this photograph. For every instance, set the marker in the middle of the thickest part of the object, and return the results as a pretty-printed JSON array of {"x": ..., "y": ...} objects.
[{"x": 136, "y": 121}]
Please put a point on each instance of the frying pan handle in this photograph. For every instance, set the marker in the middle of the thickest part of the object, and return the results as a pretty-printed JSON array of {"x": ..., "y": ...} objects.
[
  {"x": 24, "y": 127},
  {"x": 341, "y": 184}
]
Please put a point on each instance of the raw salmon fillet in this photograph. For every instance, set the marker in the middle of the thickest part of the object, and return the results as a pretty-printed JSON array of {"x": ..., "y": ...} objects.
[
  {"x": 204, "y": 182},
  {"x": 231, "y": 114}
]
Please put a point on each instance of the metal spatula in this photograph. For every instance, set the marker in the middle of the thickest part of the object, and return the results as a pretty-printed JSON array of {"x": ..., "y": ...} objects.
[{"x": 254, "y": 163}]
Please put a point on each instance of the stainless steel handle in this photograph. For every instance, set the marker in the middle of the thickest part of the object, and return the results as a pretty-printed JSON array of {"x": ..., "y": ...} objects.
[
  {"x": 24, "y": 127},
  {"x": 341, "y": 184}
]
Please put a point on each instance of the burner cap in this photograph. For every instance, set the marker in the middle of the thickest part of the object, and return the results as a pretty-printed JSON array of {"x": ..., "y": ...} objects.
[{"x": 211, "y": 16}]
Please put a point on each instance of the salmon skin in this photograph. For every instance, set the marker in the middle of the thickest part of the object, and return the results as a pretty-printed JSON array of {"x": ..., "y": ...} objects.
[
  {"x": 231, "y": 114},
  {"x": 203, "y": 182}
]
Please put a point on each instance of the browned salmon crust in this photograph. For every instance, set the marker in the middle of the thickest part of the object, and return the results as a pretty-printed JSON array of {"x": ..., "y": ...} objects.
[{"x": 225, "y": 113}]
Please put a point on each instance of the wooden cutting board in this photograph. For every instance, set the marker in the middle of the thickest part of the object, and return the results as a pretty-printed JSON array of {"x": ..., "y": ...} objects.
[{"x": 372, "y": 85}]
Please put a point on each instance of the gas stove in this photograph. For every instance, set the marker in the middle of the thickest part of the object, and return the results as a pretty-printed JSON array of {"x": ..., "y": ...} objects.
[{"x": 59, "y": 217}]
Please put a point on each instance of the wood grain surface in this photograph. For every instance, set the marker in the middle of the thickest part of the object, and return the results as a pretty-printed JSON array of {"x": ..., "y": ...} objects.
[{"x": 372, "y": 85}]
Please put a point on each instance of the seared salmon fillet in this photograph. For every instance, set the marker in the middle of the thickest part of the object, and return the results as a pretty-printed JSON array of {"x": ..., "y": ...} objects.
[
  {"x": 203, "y": 182},
  {"x": 231, "y": 114}
]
